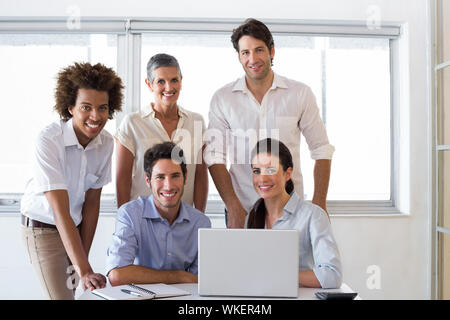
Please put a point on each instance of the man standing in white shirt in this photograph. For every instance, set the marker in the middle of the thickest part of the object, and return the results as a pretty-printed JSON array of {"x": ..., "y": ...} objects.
[{"x": 259, "y": 105}]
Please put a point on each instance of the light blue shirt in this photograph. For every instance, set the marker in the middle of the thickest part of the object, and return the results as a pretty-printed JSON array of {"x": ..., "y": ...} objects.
[
  {"x": 318, "y": 248},
  {"x": 142, "y": 237}
]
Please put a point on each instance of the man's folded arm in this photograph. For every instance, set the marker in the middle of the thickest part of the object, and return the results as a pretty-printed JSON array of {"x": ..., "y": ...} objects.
[{"x": 139, "y": 274}]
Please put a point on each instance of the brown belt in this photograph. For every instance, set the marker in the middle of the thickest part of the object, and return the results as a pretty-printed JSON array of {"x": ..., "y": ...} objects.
[{"x": 27, "y": 222}]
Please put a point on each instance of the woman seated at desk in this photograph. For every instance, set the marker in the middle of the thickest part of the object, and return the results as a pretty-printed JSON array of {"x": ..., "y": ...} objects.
[
  {"x": 162, "y": 121},
  {"x": 281, "y": 208}
]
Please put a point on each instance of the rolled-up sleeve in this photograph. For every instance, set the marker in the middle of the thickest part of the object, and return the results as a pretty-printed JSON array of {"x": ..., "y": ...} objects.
[
  {"x": 216, "y": 134},
  {"x": 327, "y": 262},
  {"x": 48, "y": 170},
  {"x": 123, "y": 248},
  {"x": 124, "y": 134},
  {"x": 313, "y": 128}
]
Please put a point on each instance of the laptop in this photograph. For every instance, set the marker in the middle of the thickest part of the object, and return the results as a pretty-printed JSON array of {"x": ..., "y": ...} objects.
[{"x": 248, "y": 262}]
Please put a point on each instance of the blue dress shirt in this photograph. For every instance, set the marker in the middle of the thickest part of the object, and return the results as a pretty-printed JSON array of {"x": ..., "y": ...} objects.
[
  {"x": 318, "y": 248},
  {"x": 142, "y": 237}
]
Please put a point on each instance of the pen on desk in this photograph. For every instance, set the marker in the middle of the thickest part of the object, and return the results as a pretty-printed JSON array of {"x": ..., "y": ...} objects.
[{"x": 131, "y": 292}]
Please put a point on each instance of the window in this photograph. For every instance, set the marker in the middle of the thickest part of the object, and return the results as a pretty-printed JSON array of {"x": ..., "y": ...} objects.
[
  {"x": 351, "y": 81},
  {"x": 348, "y": 68},
  {"x": 441, "y": 144}
]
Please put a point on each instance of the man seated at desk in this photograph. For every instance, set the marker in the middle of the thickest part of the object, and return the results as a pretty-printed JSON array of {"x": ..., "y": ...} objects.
[{"x": 155, "y": 240}]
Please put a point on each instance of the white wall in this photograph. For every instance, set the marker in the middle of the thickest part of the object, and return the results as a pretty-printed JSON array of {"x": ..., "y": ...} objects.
[{"x": 400, "y": 246}]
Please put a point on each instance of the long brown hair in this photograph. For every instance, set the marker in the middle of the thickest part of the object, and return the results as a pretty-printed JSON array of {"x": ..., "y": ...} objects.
[{"x": 256, "y": 217}]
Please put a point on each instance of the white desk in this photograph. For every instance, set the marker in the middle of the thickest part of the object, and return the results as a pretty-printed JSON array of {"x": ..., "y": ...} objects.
[{"x": 303, "y": 294}]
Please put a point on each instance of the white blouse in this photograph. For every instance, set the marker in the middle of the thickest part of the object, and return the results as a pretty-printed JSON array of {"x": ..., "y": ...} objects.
[{"x": 141, "y": 130}]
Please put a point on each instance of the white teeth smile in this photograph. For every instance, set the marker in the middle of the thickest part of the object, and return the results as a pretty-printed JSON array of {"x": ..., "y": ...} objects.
[
  {"x": 168, "y": 194},
  {"x": 265, "y": 188},
  {"x": 168, "y": 94},
  {"x": 93, "y": 126}
]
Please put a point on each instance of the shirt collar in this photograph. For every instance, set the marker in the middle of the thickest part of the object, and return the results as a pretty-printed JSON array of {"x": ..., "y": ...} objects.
[
  {"x": 183, "y": 215},
  {"x": 291, "y": 205},
  {"x": 278, "y": 82},
  {"x": 70, "y": 138},
  {"x": 148, "y": 111},
  {"x": 151, "y": 212}
]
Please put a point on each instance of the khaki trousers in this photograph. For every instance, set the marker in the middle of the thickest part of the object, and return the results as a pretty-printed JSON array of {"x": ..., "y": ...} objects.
[{"x": 48, "y": 256}]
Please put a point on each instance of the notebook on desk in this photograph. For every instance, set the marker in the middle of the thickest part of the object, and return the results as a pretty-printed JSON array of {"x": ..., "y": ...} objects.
[
  {"x": 139, "y": 292},
  {"x": 248, "y": 262}
]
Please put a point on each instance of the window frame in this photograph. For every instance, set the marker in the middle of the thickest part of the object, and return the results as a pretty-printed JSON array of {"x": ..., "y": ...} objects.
[
  {"x": 439, "y": 64},
  {"x": 129, "y": 33}
]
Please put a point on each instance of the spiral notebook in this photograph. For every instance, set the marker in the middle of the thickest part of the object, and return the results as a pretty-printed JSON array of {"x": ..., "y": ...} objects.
[{"x": 139, "y": 292}]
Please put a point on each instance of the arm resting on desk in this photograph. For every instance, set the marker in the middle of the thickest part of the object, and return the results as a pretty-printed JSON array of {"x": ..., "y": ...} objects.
[
  {"x": 307, "y": 278},
  {"x": 139, "y": 274}
]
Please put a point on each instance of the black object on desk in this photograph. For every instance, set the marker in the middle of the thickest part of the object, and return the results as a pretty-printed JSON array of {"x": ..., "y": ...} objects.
[{"x": 324, "y": 295}]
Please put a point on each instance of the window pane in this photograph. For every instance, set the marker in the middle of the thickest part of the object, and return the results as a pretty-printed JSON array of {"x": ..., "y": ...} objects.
[
  {"x": 444, "y": 189},
  {"x": 358, "y": 118},
  {"x": 29, "y": 65},
  {"x": 350, "y": 78},
  {"x": 443, "y": 31},
  {"x": 444, "y": 266},
  {"x": 300, "y": 58},
  {"x": 443, "y": 106}
]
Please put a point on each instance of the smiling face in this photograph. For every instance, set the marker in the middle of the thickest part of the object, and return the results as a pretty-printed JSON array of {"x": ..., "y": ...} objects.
[
  {"x": 166, "y": 86},
  {"x": 269, "y": 179},
  {"x": 255, "y": 57},
  {"x": 167, "y": 184},
  {"x": 89, "y": 114}
]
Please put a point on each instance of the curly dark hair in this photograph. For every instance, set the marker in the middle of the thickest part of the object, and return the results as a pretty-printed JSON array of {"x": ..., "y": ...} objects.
[
  {"x": 86, "y": 76},
  {"x": 254, "y": 28}
]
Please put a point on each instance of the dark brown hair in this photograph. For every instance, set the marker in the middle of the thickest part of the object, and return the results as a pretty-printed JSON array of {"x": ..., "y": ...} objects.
[
  {"x": 256, "y": 217},
  {"x": 87, "y": 76},
  {"x": 165, "y": 150},
  {"x": 254, "y": 28}
]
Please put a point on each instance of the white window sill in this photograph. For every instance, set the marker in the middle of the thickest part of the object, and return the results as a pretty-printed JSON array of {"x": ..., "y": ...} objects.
[{"x": 10, "y": 206}]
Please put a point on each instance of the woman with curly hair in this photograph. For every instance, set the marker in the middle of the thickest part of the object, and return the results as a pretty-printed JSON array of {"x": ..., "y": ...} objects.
[{"x": 72, "y": 163}]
